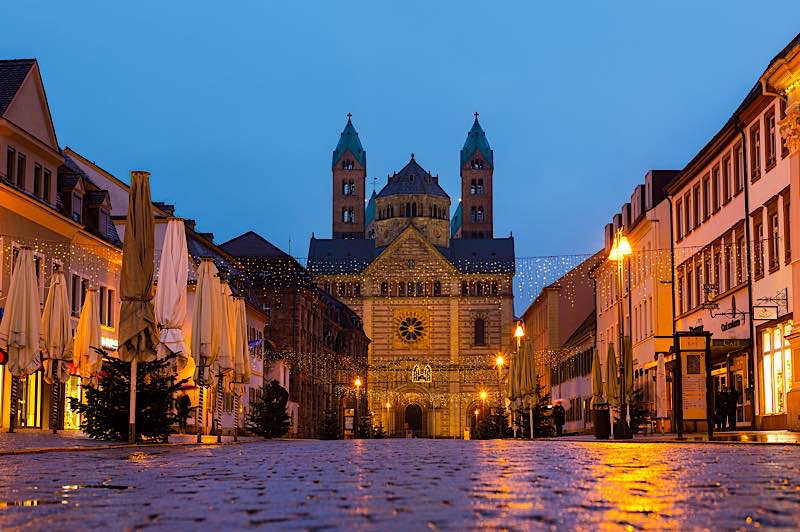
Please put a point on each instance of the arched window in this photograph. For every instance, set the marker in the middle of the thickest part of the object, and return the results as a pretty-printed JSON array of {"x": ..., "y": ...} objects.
[
  {"x": 384, "y": 289},
  {"x": 473, "y": 189},
  {"x": 480, "y": 214},
  {"x": 480, "y": 331},
  {"x": 413, "y": 209},
  {"x": 437, "y": 288},
  {"x": 480, "y": 186},
  {"x": 494, "y": 288},
  {"x": 410, "y": 288},
  {"x": 346, "y": 216},
  {"x": 479, "y": 289},
  {"x": 401, "y": 289},
  {"x": 473, "y": 214}
]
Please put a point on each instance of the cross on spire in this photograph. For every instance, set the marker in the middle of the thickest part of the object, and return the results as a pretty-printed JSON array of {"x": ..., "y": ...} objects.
[
  {"x": 476, "y": 115},
  {"x": 349, "y": 116}
]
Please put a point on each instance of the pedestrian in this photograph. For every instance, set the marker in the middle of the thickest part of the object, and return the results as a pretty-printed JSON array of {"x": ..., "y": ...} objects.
[
  {"x": 720, "y": 408},
  {"x": 732, "y": 403},
  {"x": 184, "y": 404},
  {"x": 558, "y": 418}
]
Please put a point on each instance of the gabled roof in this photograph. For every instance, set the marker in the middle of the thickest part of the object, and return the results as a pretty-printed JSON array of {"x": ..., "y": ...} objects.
[
  {"x": 251, "y": 244},
  {"x": 583, "y": 330},
  {"x": 413, "y": 179},
  {"x": 348, "y": 140},
  {"x": 12, "y": 73},
  {"x": 476, "y": 140},
  {"x": 353, "y": 256}
]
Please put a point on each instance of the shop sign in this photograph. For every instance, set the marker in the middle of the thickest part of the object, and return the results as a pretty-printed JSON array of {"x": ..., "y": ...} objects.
[
  {"x": 731, "y": 324},
  {"x": 765, "y": 312}
]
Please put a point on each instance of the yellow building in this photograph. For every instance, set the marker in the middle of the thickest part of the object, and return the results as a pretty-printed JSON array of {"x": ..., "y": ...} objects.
[
  {"x": 437, "y": 309},
  {"x": 47, "y": 203}
]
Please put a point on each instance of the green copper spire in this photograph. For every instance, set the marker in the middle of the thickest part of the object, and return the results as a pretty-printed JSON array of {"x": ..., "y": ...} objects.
[
  {"x": 370, "y": 214},
  {"x": 348, "y": 140},
  {"x": 476, "y": 140}
]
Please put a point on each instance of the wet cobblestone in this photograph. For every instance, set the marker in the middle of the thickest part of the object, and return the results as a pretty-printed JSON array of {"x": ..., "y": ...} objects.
[{"x": 405, "y": 484}]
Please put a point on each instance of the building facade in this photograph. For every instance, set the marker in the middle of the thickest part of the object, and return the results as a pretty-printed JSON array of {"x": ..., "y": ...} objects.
[
  {"x": 65, "y": 217},
  {"x": 438, "y": 309},
  {"x": 646, "y": 298}
]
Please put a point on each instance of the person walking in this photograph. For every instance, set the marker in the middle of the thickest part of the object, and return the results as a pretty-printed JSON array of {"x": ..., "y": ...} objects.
[
  {"x": 720, "y": 408},
  {"x": 558, "y": 418},
  {"x": 731, "y": 405},
  {"x": 184, "y": 404}
]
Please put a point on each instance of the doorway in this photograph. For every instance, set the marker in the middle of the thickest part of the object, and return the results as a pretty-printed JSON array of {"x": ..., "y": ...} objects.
[{"x": 413, "y": 419}]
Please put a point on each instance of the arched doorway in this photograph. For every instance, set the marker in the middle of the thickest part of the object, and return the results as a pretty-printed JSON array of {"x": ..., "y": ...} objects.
[{"x": 413, "y": 418}]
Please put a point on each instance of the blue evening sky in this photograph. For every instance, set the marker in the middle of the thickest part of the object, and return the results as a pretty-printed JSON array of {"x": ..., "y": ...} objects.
[{"x": 235, "y": 107}]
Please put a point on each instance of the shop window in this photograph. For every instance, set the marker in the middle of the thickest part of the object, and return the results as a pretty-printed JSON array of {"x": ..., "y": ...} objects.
[
  {"x": 776, "y": 368},
  {"x": 29, "y": 410}
]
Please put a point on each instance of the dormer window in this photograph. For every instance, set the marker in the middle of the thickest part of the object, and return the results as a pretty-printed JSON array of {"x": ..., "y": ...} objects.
[
  {"x": 103, "y": 220},
  {"x": 77, "y": 207}
]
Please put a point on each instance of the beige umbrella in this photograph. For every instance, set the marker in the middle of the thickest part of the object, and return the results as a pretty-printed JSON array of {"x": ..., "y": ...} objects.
[
  {"x": 204, "y": 341},
  {"x": 597, "y": 379},
  {"x": 87, "y": 340},
  {"x": 612, "y": 376},
  {"x": 56, "y": 339},
  {"x": 241, "y": 359},
  {"x": 170, "y": 299},
  {"x": 661, "y": 387},
  {"x": 223, "y": 368},
  {"x": 19, "y": 328},
  {"x": 137, "y": 327}
]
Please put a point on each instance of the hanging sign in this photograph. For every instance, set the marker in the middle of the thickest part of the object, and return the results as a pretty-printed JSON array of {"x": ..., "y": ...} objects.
[{"x": 765, "y": 312}]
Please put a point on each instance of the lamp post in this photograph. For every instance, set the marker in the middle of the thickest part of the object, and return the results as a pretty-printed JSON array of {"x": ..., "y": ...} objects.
[
  {"x": 388, "y": 406},
  {"x": 519, "y": 333},
  {"x": 357, "y": 383},
  {"x": 619, "y": 250},
  {"x": 499, "y": 361}
]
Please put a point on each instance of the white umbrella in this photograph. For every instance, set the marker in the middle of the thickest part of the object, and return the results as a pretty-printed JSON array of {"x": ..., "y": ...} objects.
[
  {"x": 241, "y": 359},
  {"x": 56, "y": 339},
  {"x": 661, "y": 387},
  {"x": 204, "y": 340},
  {"x": 170, "y": 299},
  {"x": 226, "y": 329},
  {"x": 19, "y": 328},
  {"x": 87, "y": 340}
]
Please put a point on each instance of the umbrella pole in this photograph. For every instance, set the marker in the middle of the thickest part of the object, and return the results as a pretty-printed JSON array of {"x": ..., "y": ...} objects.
[
  {"x": 530, "y": 414},
  {"x": 219, "y": 406},
  {"x": 132, "y": 411},
  {"x": 236, "y": 417},
  {"x": 54, "y": 420},
  {"x": 13, "y": 409},
  {"x": 198, "y": 415}
]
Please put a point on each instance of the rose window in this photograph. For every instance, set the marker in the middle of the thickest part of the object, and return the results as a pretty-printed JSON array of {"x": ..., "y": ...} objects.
[{"x": 411, "y": 329}]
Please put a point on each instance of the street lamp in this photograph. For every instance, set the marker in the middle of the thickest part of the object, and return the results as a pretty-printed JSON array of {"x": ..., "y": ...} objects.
[
  {"x": 620, "y": 249},
  {"x": 388, "y": 406},
  {"x": 519, "y": 333},
  {"x": 357, "y": 383},
  {"x": 476, "y": 420}
]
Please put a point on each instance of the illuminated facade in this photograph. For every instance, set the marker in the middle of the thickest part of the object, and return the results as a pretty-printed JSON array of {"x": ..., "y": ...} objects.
[
  {"x": 435, "y": 300},
  {"x": 48, "y": 204}
]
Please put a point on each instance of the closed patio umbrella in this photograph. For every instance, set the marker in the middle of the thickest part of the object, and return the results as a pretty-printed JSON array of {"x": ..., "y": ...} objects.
[
  {"x": 224, "y": 364},
  {"x": 597, "y": 379},
  {"x": 661, "y": 387},
  {"x": 56, "y": 339},
  {"x": 170, "y": 298},
  {"x": 138, "y": 337},
  {"x": 204, "y": 342},
  {"x": 241, "y": 359},
  {"x": 19, "y": 328},
  {"x": 612, "y": 376},
  {"x": 87, "y": 340}
]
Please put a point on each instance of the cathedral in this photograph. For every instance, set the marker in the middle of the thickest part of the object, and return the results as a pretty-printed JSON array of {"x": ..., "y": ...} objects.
[{"x": 434, "y": 291}]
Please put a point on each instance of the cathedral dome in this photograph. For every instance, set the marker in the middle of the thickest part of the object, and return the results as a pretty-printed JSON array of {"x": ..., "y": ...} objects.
[{"x": 413, "y": 180}]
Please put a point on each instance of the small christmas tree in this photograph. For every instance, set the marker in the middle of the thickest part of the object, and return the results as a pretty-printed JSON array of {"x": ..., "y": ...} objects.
[
  {"x": 498, "y": 423},
  {"x": 639, "y": 411},
  {"x": 378, "y": 433},
  {"x": 104, "y": 415},
  {"x": 542, "y": 413},
  {"x": 330, "y": 425},
  {"x": 365, "y": 426},
  {"x": 267, "y": 416}
]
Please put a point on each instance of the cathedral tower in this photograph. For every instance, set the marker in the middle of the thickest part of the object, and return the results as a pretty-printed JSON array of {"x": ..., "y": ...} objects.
[
  {"x": 349, "y": 169},
  {"x": 477, "y": 167}
]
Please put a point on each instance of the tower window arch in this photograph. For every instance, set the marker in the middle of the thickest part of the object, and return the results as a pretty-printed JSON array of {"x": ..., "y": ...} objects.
[
  {"x": 480, "y": 331},
  {"x": 473, "y": 188},
  {"x": 479, "y": 217},
  {"x": 479, "y": 189},
  {"x": 473, "y": 214}
]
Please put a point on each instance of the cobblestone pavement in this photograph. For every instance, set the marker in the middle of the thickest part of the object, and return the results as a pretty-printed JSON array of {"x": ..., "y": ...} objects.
[{"x": 405, "y": 485}]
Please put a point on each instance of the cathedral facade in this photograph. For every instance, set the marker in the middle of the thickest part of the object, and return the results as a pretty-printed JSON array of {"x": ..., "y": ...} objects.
[{"x": 435, "y": 293}]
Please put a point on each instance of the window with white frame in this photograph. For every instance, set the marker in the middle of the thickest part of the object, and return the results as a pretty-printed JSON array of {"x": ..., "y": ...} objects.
[{"x": 776, "y": 366}]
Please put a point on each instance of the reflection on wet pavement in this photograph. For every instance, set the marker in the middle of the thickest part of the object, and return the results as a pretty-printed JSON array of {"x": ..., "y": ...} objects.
[{"x": 406, "y": 484}]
